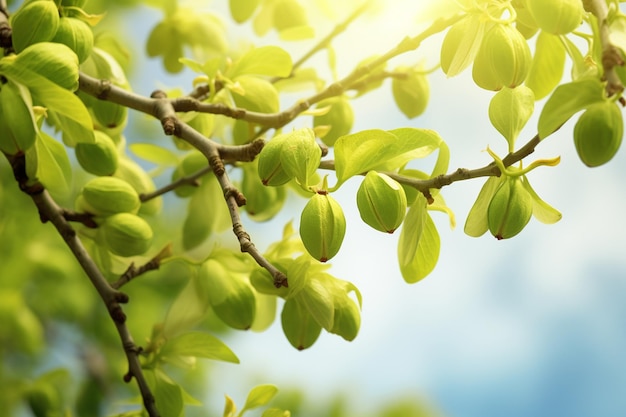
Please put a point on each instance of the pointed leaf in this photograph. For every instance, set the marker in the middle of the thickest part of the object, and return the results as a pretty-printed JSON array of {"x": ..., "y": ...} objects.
[
  {"x": 168, "y": 395},
  {"x": 266, "y": 60},
  {"x": 546, "y": 70},
  {"x": 259, "y": 396},
  {"x": 48, "y": 162},
  {"x": 509, "y": 111},
  {"x": 422, "y": 234},
  {"x": 155, "y": 154},
  {"x": 567, "y": 100},
  {"x": 542, "y": 211},
  {"x": 476, "y": 224},
  {"x": 198, "y": 344}
]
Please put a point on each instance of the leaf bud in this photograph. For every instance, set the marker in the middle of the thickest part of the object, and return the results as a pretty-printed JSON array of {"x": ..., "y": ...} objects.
[
  {"x": 100, "y": 157},
  {"x": 127, "y": 234},
  {"x": 339, "y": 118},
  {"x": 558, "y": 17},
  {"x": 55, "y": 61},
  {"x": 503, "y": 59},
  {"x": 322, "y": 227},
  {"x": 598, "y": 133},
  {"x": 411, "y": 93},
  {"x": 381, "y": 202},
  {"x": 77, "y": 35},
  {"x": 300, "y": 155},
  {"x": 271, "y": 169},
  {"x": 104, "y": 196},
  {"x": 35, "y": 21},
  {"x": 230, "y": 295},
  {"x": 510, "y": 209},
  {"x": 298, "y": 325}
]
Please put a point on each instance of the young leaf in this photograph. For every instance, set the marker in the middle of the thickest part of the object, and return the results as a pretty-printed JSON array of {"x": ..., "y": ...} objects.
[
  {"x": 567, "y": 100},
  {"x": 423, "y": 139},
  {"x": 155, "y": 154},
  {"x": 412, "y": 230},
  {"x": 259, "y": 396},
  {"x": 242, "y": 10},
  {"x": 255, "y": 94},
  {"x": 198, "y": 344},
  {"x": 48, "y": 162},
  {"x": 267, "y": 60},
  {"x": 168, "y": 395},
  {"x": 419, "y": 264},
  {"x": 461, "y": 44},
  {"x": 509, "y": 111},
  {"x": 229, "y": 407},
  {"x": 476, "y": 224},
  {"x": 542, "y": 211},
  {"x": 546, "y": 71},
  {"x": 276, "y": 412}
]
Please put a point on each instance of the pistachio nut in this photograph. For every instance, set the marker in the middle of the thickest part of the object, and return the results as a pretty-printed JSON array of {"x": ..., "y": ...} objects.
[
  {"x": 271, "y": 169},
  {"x": 77, "y": 35},
  {"x": 510, "y": 209},
  {"x": 191, "y": 163},
  {"x": 231, "y": 296},
  {"x": 558, "y": 17},
  {"x": 598, "y": 133},
  {"x": 35, "y": 21},
  {"x": 381, "y": 202},
  {"x": 100, "y": 157},
  {"x": 104, "y": 196},
  {"x": 130, "y": 172},
  {"x": 347, "y": 318},
  {"x": 127, "y": 234},
  {"x": 503, "y": 59},
  {"x": 339, "y": 118},
  {"x": 322, "y": 227},
  {"x": 55, "y": 61},
  {"x": 298, "y": 325}
]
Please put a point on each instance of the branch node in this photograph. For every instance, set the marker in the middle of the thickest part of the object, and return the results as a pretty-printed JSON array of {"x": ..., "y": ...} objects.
[
  {"x": 158, "y": 94},
  {"x": 217, "y": 165}
]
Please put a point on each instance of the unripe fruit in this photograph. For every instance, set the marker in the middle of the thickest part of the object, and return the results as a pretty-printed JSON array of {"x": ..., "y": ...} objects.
[
  {"x": 558, "y": 17},
  {"x": 510, "y": 209},
  {"x": 100, "y": 157},
  {"x": 34, "y": 22},
  {"x": 271, "y": 169},
  {"x": 288, "y": 14},
  {"x": 16, "y": 119},
  {"x": 381, "y": 201},
  {"x": 339, "y": 118},
  {"x": 262, "y": 203},
  {"x": 410, "y": 93},
  {"x": 503, "y": 59},
  {"x": 231, "y": 297},
  {"x": 55, "y": 61},
  {"x": 298, "y": 324},
  {"x": 77, "y": 35},
  {"x": 598, "y": 133},
  {"x": 105, "y": 196},
  {"x": 127, "y": 234},
  {"x": 130, "y": 172},
  {"x": 191, "y": 163},
  {"x": 322, "y": 227}
]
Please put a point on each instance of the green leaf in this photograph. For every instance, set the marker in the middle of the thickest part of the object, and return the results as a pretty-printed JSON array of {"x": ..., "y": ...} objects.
[
  {"x": 567, "y": 100},
  {"x": 155, "y": 154},
  {"x": 168, "y": 394},
  {"x": 476, "y": 224},
  {"x": 548, "y": 63},
  {"x": 48, "y": 162},
  {"x": 509, "y": 111},
  {"x": 384, "y": 151},
  {"x": 70, "y": 112},
  {"x": 242, "y": 10},
  {"x": 188, "y": 308},
  {"x": 266, "y": 60},
  {"x": 256, "y": 94},
  {"x": 276, "y": 412},
  {"x": 318, "y": 301},
  {"x": 265, "y": 312},
  {"x": 259, "y": 396},
  {"x": 542, "y": 211},
  {"x": 201, "y": 345},
  {"x": 461, "y": 44},
  {"x": 420, "y": 232}
]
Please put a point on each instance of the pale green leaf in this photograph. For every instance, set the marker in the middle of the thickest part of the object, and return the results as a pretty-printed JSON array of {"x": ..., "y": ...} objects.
[
  {"x": 50, "y": 165},
  {"x": 265, "y": 312},
  {"x": 318, "y": 301},
  {"x": 461, "y": 44},
  {"x": 567, "y": 100},
  {"x": 155, "y": 154},
  {"x": 297, "y": 33},
  {"x": 423, "y": 140},
  {"x": 259, "y": 396},
  {"x": 188, "y": 308},
  {"x": 412, "y": 230},
  {"x": 276, "y": 412},
  {"x": 195, "y": 66},
  {"x": 201, "y": 345},
  {"x": 266, "y": 60},
  {"x": 255, "y": 94},
  {"x": 439, "y": 204},
  {"x": 542, "y": 211},
  {"x": 548, "y": 64},
  {"x": 476, "y": 224},
  {"x": 509, "y": 111},
  {"x": 168, "y": 394},
  {"x": 425, "y": 257},
  {"x": 229, "y": 407},
  {"x": 242, "y": 10}
]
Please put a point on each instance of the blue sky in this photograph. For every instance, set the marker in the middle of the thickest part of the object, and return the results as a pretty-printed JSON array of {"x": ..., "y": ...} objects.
[{"x": 533, "y": 326}]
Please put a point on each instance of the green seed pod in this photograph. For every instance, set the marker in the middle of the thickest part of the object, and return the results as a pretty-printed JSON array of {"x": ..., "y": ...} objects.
[
  {"x": 100, "y": 157},
  {"x": 503, "y": 59},
  {"x": 411, "y": 93},
  {"x": 17, "y": 120},
  {"x": 510, "y": 209},
  {"x": 598, "y": 133},
  {"x": 381, "y": 201},
  {"x": 262, "y": 203},
  {"x": 105, "y": 196},
  {"x": 127, "y": 234},
  {"x": 231, "y": 297},
  {"x": 322, "y": 227},
  {"x": 77, "y": 35},
  {"x": 271, "y": 169},
  {"x": 191, "y": 163},
  {"x": 298, "y": 324},
  {"x": 55, "y": 61},
  {"x": 288, "y": 14},
  {"x": 339, "y": 118},
  {"x": 558, "y": 17},
  {"x": 34, "y": 22},
  {"x": 130, "y": 172}
]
